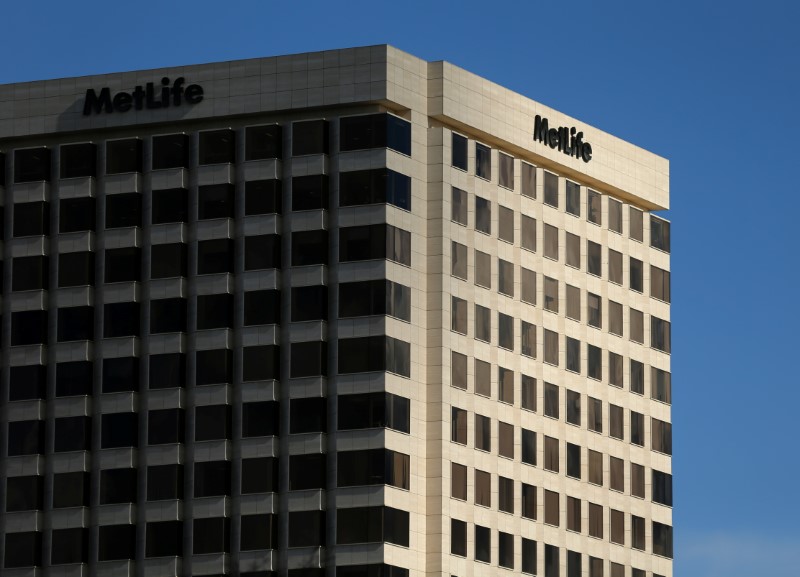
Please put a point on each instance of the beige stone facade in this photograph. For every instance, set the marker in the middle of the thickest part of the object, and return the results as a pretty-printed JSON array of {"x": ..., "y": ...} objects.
[{"x": 573, "y": 257}]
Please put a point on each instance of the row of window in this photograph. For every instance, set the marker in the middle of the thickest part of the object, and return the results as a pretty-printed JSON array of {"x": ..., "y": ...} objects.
[
  {"x": 504, "y": 551},
  {"x": 214, "y": 147},
  {"x": 659, "y": 228},
  {"x": 259, "y": 419},
  {"x": 660, "y": 433},
  {"x": 505, "y": 273},
  {"x": 660, "y": 383}
]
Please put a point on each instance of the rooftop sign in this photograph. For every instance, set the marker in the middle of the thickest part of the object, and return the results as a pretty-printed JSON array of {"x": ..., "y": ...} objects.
[
  {"x": 567, "y": 140},
  {"x": 149, "y": 97}
]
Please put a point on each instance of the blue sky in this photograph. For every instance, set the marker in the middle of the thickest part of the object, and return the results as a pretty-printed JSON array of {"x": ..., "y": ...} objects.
[{"x": 713, "y": 86}]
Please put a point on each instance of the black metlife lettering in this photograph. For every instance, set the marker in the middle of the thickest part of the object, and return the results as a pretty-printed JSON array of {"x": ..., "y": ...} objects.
[
  {"x": 150, "y": 97},
  {"x": 567, "y": 140}
]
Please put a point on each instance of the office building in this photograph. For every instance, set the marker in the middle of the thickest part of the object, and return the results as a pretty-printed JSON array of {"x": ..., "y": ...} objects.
[{"x": 343, "y": 314}]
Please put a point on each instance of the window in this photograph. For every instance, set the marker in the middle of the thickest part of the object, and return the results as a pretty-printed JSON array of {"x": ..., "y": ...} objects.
[
  {"x": 506, "y": 224},
  {"x": 458, "y": 260},
  {"x": 170, "y": 205},
  {"x": 505, "y": 383},
  {"x": 72, "y": 434},
  {"x": 262, "y": 307},
  {"x": 616, "y": 428},
  {"x": 637, "y": 377},
  {"x": 615, "y": 318},
  {"x": 659, "y": 233},
  {"x": 614, "y": 215},
  {"x": 551, "y": 347},
  {"x": 260, "y": 419},
  {"x": 483, "y": 544},
  {"x": 529, "y": 563},
  {"x": 550, "y": 242},
  {"x": 78, "y": 160},
  {"x": 595, "y": 468},
  {"x": 615, "y": 266},
  {"x": 552, "y": 511},
  {"x": 376, "y": 410},
  {"x": 119, "y": 430},
  {"x": 550, "y": 294},
  {"x": 483, "y": 488},
  {"x": 378, "y": 353},
  {"x": 262, "y": 197},
  {"x": 573, "y": 355},
  {"x": 573, "y": 461},
  {"x": 375, "y": 131},
  {"x": 69, "y": 546},
  {"x": 615, "y": 377},
  {"x": 483, "y": 378},
  {"x": 595, "y": 415},
  {"x": 308, "y": 359},
  {"x": 636, "y": 224},
  {"x": 528, "y": 180},
  {"x": 73, "y": 378},
  {"x": 662, "y": 540},
  {"x": 120, "y": 374},
  {"x": 164, "y": 539},
  {"x": 573, "y": 407},
  {"x": 32, "y": 165},
  {"x": 637, "y": 428},
  {"x": 121, "y": 320},
  {"x": 259, "y": 532},
  {"x": 306, "y": 528},
  {"x": 165, "y": 426},
  {"x": 528, "y": 447},
  {"x": 459, "y": 151},
  {"x": 216, "y": 366},
  {"x": 528, "y": 339},
  {"x": 660, "y": 385},
  {"x": 118, "y": 486},
  {"x": 505, "y": 548},
  {"x": 618, "y": 570},
  {"x": 660, "y": 338},
  {"x": 123, "y": 156},
  {"x": 574, "y": 515},
  {"x": 661, "y": 436},
  {"x": 595, "y": 521},
  {"x": 377, "y": 241},
  {"x": 24, "y": 493},
  {"x": 458, "y": 426},
  {"x": 528, "y": 501},
  {"x": 662, "y": 488},
  {"x": 594, "y": 213},
  {"x": 617, "y": 527},
  {"x": 637, "y": 533},
  {"x": 458, "y": 481},
  {"x": 75, "y": 269},
  {"x": 506, "y": 166},
  {"x": 594, "y": 306},
  {"x": 660, "y": 284},
  {"x": 116, "y": 542},
  {"x": 215, "y": 201},
  {"x": 123, "y": 264},
  {"x": 551, "y": 460},
  {"x": 23, "y": 549},
  {"x": 528, "y": 230},
  {"x": 528, "y": 393},
  {"x": 377, "y": 186},
  {"x": 458, "y": 538},
  {"x": 574, "y": 562},
  {"x": 167, "y": 371},
  {"x": 636, "y": 275},
  {"x": 483, "y": 269},
  {"x": 483, "y": 433},
  {"x": 29, "y": 273},
  {"x": 264, "y": 251},
  {"x": 376, "y": 297},
  {"x": 483, "y": 161},
  {"x": 528, "y": 286},
  {"x": 76, "y": 215},
  {"x": 458, "y": 370},
  {"x": 212, "y": 478},
  {"x": 28, "y": 328},
  {"x": 637, "y": 480},
  {"x": 169, "y": 315},
  {"x": 164, "y": 482},
  {"x": 506, "y": 494},
  {"x": 483, "y": 323},
  {"x": 458, "y": 205},
  {"x": 210, "y": 535},
  {"x": 505, "y": 434},
  {"x": 307, "y": 415},
  {"x": 550, "y": 189},
  {"x": 617, "y": 470},
  {"x": 263, "y": 142},
  {"x": 124, "y": 210},
  {"x": 171, "y": 151},
  {"x": 505, "y": 275},
  {"x": 310, "y": 303},
  {"x": 213, "y": 311},
  {"x": 372, "y": 525},
  {"x": 573, "y": 198},
  {"x": 27, "y": 382},
  {"x": 31, "y": 219},
  {"x": 307, "y": 472},
  {"x": 483, "y": 215},
  {"x": 573, "y": 302},
  {"x": 309, "y": 137},
  {"x": 217, "y": 147},
  {"x": 75, "y": 324},
  {"x": 311, "y": 192},
  {"x": 594, "y": 358},
  {"x": 259, "y": 475}
]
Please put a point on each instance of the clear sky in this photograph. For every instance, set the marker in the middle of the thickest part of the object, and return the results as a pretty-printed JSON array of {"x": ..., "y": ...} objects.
[{"x": 713, "y": 86}]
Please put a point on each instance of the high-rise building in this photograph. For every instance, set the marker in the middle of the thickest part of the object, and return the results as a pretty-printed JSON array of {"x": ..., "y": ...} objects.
[{"x": 346, "y": 313}]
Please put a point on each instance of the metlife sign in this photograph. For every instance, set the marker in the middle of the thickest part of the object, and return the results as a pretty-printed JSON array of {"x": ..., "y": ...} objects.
[{"x": 149, "y": 97}]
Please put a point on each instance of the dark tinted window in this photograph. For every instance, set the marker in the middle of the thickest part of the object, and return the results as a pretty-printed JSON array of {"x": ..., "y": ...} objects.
[
  {"x": 212, "y": 479},
  {"x": 165, "y": 426},
  {"x": 73, "y": 378},
  {"x": 309, "y": 247},
  {"x": 262, "y": 307},
  {"x": 123, "y": 264},
  {"x": 170, "y": 205},
  {"x": 260, "y": 419},
  {"x": 377, "y": 241},
  {"x": 662, "y": 488},
  {"x": 372, "y": 467},
  {"x": 376, "y": 297},
  {"x": 258, "y": 532},
  {"x": 215, "y": 256},
  {"x": 373, "y": 410},
  {"x": 262, "y": 197},
  {"x": 214, "y": 366},
  {"x": 25, "y": 438},
  {"x": 210, "y": 535},
  {"x": 215, "y": 201},
  {"x": 309, "y": 303},
  {"x": 308, "y": 415},
  {"x": 459, "y": 157},
  {"x": 28, "y": 328},
  {"x": 310, "y": 137},
  {"x": 32, "y": 165},
  {"x": 308, "y": 359},
  {"x": 123, "y": 210},
  {"x": 375, "y": 186},
  {"x": 116, "y": 542},
  {"x": 75, "y": 324},
  {"x": 23, "y": 549},
  {"x": 212, "y": 423},
  {"x": 306, "y": 528},
  {"x": 379, "y": 353},
  {"x": 118, "y": 486},
  {"x": 261, "y": 142},
  {"x": 27, "y": 382},
  {"x": 70, "y": 490},
  {"x": 123, "y": 156},
  {"x": 31, "y": 219},
  {"x": 24, "y": 493},
  {"x": 214, "y": 311},
  {"x": 120, "y": 374},
  {"x": 170, "y": 151},
  {"x": 659, "y": 233},
  {"x": 217, "y": 147},
  {"x": 164, "y": 482},
  {"x": 121, "y": 320},
  {"x": 167, "y": 371},
  {"x": 164, "y": 539},
  {"x": 259, "y": 475},
  {"x": 307, "y": 472},
  {"x": 167, "y": 260},
  {"x": 261, "y": 362},
  {"x": 29, "y": 273},
  {"x": 119, "y": 430},
  {"x": 76, "y": 214},
  {"x": 662, "y": 540},
  {"x": 458, "y": 538},
  {"x": 75, "y": 269},
  {"x": 262, "y": 252},
  {"x": 310, "y": 192},
  {"x": 375, "y": 131},
  {"x": 372, "y": 525}
]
